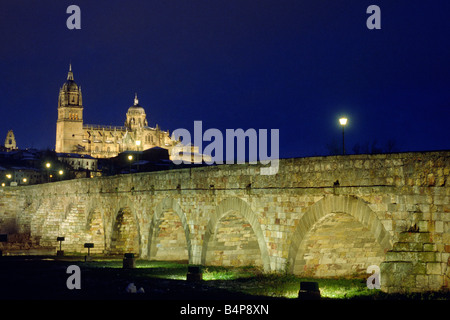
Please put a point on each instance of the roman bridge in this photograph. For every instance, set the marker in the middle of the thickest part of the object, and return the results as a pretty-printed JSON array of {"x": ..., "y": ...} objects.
[{"x": 320, "y": 216}]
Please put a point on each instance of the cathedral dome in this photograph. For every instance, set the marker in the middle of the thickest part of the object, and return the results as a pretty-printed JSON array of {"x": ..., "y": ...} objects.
[
  {"x": 70, "y": 85},
  {"x": 136, "y": 108},
  {"x": 136, "y": 117}
]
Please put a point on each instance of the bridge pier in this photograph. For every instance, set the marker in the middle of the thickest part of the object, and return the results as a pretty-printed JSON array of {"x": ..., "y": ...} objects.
[{"x": 413, "y": 265}]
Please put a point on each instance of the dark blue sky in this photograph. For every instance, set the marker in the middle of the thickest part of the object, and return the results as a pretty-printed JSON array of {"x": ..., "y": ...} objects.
[{"x": 290, "y": 65}]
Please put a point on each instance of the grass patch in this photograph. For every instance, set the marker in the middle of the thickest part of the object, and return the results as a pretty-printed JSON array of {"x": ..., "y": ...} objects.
[
  {"x": 287, "y": 286},
  {"x": 252, "y": 281}
]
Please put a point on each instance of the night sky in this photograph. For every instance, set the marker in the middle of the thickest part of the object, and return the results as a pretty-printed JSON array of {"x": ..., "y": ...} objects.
[{"x": 295, "y": 65}]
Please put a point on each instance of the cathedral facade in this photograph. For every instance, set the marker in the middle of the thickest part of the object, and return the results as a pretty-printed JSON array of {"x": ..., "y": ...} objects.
[{"x": 100, "y": 141}]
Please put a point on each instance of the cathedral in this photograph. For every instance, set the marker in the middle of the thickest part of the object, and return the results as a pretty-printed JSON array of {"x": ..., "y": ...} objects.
[{"x": 100, "y": 141}]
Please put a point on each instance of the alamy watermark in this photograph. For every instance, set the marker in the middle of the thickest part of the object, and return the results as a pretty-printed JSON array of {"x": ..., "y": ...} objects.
[
  {"x": 74, "y": 280},
  {"x": 74, "y": 20},
  {"x": 222, "y": 149},
  {"x": 374, "y": 281}
]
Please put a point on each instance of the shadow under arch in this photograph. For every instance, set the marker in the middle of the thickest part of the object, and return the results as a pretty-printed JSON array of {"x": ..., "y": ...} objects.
[
  {"x": 123, "y": 208},
  {"x": 351, "y": 205},
  {"x": 94, "y": 227},
  {"x": 165, "y": 205},
  {"x": 238, "y": 205}
]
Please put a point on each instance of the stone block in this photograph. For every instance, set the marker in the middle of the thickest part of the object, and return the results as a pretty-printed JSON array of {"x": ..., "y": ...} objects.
[
  {"x": 435, "y": 282},
  {"x": 419, "y": 268},
  {"x": 439, "y": 226},
  {"x": 407, "y": 246},
  {"x": 403, "y": 268},
  {"x": 393, "y": 256},
  {"x": 429, "y": 247},
  {"x": 422, "y": 281},
  {"x": 428, "y": 256},
  {"x": 423, "y": 225},
  {"x": 414, "y": 237},
  {"x": 434, "y": 268}
]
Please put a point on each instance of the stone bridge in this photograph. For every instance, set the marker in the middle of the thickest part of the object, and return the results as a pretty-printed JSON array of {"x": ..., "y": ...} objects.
[{"x": 320, "y": 216}]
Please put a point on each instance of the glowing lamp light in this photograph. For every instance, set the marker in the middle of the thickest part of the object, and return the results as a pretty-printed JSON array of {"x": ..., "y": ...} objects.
[
  {"x": 60, "y": 172},
  {"x": 48, "y": 165},
  {"x": 130, "y": 157},
  {"x": 9, "y": 176},
  {"x": 343, "y": 121},
  {"x": 138, "y": 143},
  {"x": 24, "y": 180}
]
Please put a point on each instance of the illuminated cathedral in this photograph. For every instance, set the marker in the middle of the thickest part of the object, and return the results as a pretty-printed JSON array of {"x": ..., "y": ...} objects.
[{"x": 100, "y": 141}]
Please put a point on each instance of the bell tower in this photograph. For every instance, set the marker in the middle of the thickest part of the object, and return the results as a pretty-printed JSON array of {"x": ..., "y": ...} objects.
[{"x": 69, "y": 126}]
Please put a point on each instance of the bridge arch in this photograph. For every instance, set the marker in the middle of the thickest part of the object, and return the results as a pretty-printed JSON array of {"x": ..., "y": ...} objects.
[
  {"x": 95, "y": 229},
  {"x": 38, "y": 218},
  {"x": 124, "y": 229},
  {"x": 169, "y": 209},
  {"x": 341, "y": 206},
  {"x": 237, "y": 208}
]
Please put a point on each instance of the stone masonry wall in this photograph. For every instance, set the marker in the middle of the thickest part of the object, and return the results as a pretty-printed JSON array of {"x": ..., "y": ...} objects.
[
  {"x": 338, "y": 246},
  {"x": 171, "y": 240},
  {"x": 385, "y": 195}
]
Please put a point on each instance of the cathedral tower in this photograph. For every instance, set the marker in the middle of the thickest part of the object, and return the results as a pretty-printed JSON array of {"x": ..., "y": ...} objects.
[
  {"x": 10, "y": 141},
  {"x": 69, "y": 126}
]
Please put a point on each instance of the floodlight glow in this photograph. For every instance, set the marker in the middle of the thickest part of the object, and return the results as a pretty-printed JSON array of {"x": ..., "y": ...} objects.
[{"x": 343, "y": 121}]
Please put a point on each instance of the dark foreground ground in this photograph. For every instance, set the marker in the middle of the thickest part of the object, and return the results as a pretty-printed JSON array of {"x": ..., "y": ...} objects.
[{"x": 44, "y": 279}]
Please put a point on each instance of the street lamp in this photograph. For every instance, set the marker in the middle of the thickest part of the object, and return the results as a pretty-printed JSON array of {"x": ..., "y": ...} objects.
[
  {"x": 343, "y": 123},
  {"x": 48, "y": 165},
  {"x": 130, "y": 158}
]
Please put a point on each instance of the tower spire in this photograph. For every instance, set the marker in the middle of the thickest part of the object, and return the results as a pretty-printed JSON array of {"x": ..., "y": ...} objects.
[
  {"x": 70, "y": 74},
  {"x": 136, "y": 101}
]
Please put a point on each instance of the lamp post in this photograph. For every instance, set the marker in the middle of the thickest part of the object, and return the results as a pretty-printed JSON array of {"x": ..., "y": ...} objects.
[
  {"x": 130, "y": 158},
  {"x": 343, "y": 123},
  {"x": 48, "y": 165},
  {"x": 9, "y": 177}
]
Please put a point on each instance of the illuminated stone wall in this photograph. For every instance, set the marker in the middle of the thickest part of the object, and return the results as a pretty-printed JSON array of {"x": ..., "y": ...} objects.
[
  {"x": 234, "y": 244},
  {"x": 170, "y": 239},
  {"x": 338, "y": 246},
  {"x": 279, "y": 221}
]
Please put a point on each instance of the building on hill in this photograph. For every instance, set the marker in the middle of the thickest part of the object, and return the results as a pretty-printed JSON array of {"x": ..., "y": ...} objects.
[
  {"x": 10, "y": 141},
  {"x": 75, "y": 137}
]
